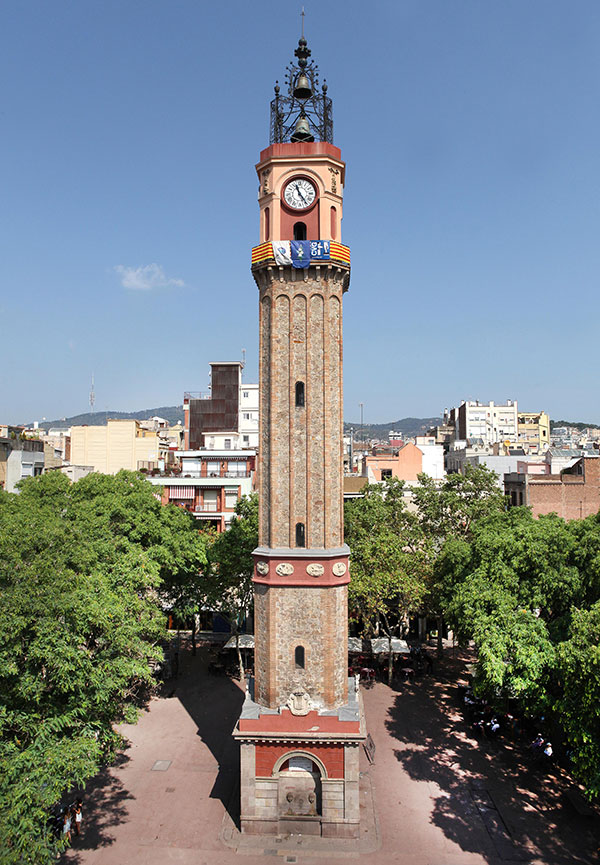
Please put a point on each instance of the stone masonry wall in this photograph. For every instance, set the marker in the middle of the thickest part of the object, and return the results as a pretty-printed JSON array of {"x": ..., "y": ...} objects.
[
  {"x": 315, "y": 618},
  {"x": 300, "y": 477}
]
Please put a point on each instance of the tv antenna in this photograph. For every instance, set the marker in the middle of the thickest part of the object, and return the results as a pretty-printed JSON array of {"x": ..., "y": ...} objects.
[{"x": 92, "y": 396}]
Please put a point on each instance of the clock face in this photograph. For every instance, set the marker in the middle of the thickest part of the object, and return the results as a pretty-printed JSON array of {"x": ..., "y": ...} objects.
[{"x": 299, "y": 193}]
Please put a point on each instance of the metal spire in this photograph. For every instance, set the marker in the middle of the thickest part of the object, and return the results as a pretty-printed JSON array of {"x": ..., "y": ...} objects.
[{"x": 303, "y": 102}]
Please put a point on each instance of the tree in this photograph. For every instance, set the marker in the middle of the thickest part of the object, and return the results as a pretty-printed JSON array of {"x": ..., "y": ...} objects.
[
  {"x": 527, "y": 591},
  {"x": 387, "y": 562},
  {"x": 579, "y": 702},
  {"x": 80, "y": 623},
  {"x": 228, "y": 588},
  {"x": 448, "y": 514}
]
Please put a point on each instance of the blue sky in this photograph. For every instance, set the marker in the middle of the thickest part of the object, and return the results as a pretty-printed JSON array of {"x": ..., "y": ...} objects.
[{"x": 130, "y": 130}]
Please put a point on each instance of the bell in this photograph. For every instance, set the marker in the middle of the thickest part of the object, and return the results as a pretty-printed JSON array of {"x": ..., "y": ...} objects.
[
  {"x": 302, "y": 131},
  {"x": 302, "y": 90}
]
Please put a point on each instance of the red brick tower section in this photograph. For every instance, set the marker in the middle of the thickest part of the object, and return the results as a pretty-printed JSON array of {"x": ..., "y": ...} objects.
[
  {"x": 302, "y": 721},
  {"x": 301, "y": 571}
]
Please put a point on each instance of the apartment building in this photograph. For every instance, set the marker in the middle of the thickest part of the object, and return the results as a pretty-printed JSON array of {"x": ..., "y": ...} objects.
[
  {"x": 209, "y": 483},
  {"x": 534, "y": 431},
  {"x": 121, "y": 444},
  {"x": 20, "y": 457},
  {"x": 573, "y": 494},
  {"x": 405, "y": 463},
  {"x": 490, "y": 422},
  {"x": 226, "y": 416}
]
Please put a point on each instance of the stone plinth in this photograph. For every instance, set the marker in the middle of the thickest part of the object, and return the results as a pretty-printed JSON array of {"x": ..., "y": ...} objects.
[{"x": 299, "y": 773}]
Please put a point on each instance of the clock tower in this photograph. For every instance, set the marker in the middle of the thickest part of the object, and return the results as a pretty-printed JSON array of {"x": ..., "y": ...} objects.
[{"x": 302, "y": 721}]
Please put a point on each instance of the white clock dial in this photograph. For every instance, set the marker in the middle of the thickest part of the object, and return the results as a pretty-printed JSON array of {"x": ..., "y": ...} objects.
[{"x": 299, "y": 193}]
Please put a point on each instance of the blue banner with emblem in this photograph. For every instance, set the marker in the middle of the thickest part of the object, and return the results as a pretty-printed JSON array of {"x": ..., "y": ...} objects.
[{"x": 300, "y": 253}]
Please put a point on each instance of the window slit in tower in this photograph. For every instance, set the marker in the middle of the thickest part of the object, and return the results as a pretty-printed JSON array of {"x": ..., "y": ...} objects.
[
  {"x": 299, "y": 657},
  {"x": 300, "y": 538},
  {"x": 299, "y": 394},
  {"x": 299, "y": 231}
]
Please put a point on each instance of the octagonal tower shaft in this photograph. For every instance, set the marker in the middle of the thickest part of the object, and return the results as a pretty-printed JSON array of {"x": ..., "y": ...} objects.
[{"x": 301, "y": 570}]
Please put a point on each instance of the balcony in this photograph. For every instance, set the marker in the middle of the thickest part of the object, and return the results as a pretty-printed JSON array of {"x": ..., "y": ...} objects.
[
  {"x": 203, "y": 473},
  {"x": 320, "y": 252}
]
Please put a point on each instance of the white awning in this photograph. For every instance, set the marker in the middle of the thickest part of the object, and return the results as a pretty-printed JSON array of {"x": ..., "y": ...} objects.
[
  {"x": 181, "y": 493},
  {"x": 382, "y": 644},
  {"x": 246, "y": 642},
  {"x": 355, "y": 644}
]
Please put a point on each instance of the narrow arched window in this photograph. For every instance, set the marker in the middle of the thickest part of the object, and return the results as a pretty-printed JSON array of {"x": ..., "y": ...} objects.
[
  {"x": 300, "y": 393},
  {"x": 267, "y": 224},
  {"x": 300, "y": 538},
  {"x": 299, "y": 657},
  {"x": 333, "y": 223},
  {"x": 299, "y": 231}
]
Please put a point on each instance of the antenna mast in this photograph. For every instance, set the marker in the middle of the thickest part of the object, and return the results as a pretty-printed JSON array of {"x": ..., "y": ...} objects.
[{"x": 92, "y": 396}]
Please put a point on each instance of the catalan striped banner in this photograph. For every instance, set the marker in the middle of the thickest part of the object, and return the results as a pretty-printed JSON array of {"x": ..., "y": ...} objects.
[
  {"x": 338, "y": 251},
  {"x": 262, "y": 252}
]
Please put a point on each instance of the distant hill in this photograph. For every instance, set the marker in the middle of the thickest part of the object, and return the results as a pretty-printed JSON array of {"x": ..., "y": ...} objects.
[
  {"x": 172, "y": 413},
  {"x": 580, "y": 425},
  {"x": 408, "y": 426}
]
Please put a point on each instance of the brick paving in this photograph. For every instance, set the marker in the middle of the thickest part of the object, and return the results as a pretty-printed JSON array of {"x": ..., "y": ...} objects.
[{"x": 442, "y": 797}]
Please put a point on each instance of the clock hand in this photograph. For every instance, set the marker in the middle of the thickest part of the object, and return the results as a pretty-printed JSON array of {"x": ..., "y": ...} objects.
[{"x": 299, "y": 191}]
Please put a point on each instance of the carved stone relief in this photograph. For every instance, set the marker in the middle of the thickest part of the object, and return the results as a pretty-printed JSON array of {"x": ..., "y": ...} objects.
[
  {"x": 315, "y": 569},
  {"x": 334, "y": 174},
  {"x": 339, "y": 569},
  {"x": 299, "y": 703},
  {"x": 262, "y": 568},
  {"x": 284, "y": 569},
  {"x": 265, "y": 176}
]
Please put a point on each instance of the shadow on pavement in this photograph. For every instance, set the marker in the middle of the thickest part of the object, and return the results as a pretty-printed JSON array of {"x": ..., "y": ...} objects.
[
  {"x": 103, "y": 808},
  {"x": 214, "y": 702},
  {"x": 487, "y": 797}
]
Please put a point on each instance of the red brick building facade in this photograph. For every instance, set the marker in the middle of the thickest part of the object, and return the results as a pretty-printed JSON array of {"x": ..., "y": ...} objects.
[{"x": 573, "y": 494}]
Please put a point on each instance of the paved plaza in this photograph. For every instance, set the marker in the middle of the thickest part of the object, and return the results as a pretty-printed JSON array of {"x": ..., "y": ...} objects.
[{"x": 441, "y": 797}]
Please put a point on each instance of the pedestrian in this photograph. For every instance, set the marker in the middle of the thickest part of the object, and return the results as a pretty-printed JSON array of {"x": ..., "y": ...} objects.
[
  {"x": 537, "y": 743},
  {"x": 77, "y": 816},
  {"x": 494, "y": 727},
  {"x": 66, "y": 828},
  {"x": 429, "y": 662}
]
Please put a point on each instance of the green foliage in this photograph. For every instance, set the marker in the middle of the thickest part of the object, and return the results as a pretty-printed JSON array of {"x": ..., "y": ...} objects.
[
  {"x": 452, "y": 508},
  {"x": 228, "y": 587},
  {"x": 387, "y": 563},
  {"x": 527, "y": 592},
  {"x": 580, "y": 424},
  {"x": 579, "y": 701},
  {"x": 81, "y": 568}
]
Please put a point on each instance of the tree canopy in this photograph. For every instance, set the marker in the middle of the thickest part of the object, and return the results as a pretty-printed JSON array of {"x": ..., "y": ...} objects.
[
  {"x": 527, "y": 592},
  {"x": 82, "y": 568},
  {"x": 228, "y": 587}
]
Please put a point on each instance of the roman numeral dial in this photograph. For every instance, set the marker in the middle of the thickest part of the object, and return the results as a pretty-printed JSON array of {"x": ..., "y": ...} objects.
[{"x": 299, "y": 193}]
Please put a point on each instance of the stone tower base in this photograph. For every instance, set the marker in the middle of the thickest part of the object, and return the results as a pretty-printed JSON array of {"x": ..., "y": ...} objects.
[{"x": 299, "y": 773}]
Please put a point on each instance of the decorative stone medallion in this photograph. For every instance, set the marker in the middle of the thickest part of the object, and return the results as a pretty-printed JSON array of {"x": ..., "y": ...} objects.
[
  {"x": 315, "y": 569},
  {"x": 262, "y": 568},
  {"x": 339, "y": 569},
  {"x": 299, "y": 703},
  {"x": 284, "y": 569}
]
